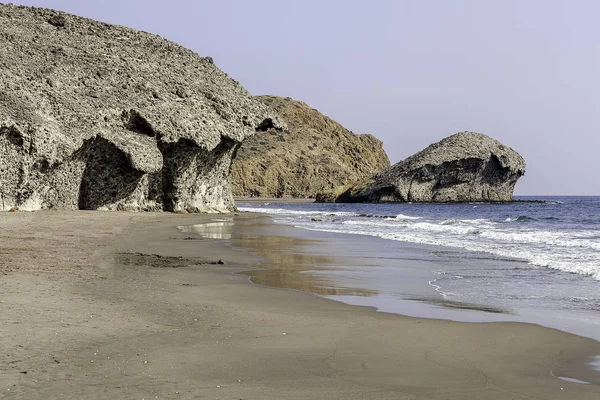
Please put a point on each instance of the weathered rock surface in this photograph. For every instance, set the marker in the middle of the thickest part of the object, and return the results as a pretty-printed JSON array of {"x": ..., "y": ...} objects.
[
  {"x": 467, "y": 166},
  {"x": 96, "y": 116},
  {"x": 314, "y": 154}
]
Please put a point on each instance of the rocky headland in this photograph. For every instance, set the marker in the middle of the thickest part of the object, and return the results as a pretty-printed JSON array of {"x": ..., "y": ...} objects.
[
  {"x": 97, "y": 116},
  {"x": 467, "y": 166},
  {"x": 314, "y": 154}
]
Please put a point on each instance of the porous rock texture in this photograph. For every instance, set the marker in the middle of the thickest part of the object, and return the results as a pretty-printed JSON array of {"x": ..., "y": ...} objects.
[
  {"x": 314, "y": 154},
  {"x": 467, "y": 166},
  {"x": 97, "y": 116}
]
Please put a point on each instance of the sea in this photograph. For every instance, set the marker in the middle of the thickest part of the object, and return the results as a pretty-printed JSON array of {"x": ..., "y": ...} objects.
[{"x": 535, "y": 260}]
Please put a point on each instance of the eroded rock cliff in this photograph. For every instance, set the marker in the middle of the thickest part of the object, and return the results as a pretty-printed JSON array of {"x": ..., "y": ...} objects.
[
  {"x": 314, "y": 154},
  {"x": 97, "y": 116},
  {"x": 467, "y": 166}
]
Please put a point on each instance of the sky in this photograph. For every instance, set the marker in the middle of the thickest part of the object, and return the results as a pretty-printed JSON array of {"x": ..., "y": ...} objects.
[{"x": 410, "y": 72}]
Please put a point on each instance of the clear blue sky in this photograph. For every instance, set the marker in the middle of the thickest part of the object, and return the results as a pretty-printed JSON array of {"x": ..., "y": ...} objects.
[{"x": 526, "y": 72}]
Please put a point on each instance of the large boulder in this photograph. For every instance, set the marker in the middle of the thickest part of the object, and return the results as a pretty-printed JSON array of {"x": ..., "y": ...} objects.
[
  {"x": 467, "y": 166},
  {"x": 97, "y": 116},
  {"x": 314, "y": 154}
]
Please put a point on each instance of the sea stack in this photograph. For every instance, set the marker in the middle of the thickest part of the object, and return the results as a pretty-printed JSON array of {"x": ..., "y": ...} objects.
[
  {"x": 314, "y": 154},
  {"x": 464, "y": 167},
  {"x": 97, "y": 116}
]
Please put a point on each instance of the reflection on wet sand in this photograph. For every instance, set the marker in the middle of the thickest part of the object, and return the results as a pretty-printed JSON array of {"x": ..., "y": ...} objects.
[
  {"x": 287, "y": 262},
  {"x": 219, "y": 229},
  {"x": 460, "y": 305},
  {"x": 287, "y": 267}
]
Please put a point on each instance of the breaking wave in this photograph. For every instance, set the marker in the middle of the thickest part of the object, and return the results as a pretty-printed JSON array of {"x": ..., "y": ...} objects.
[{"x": 542, "y": 240}]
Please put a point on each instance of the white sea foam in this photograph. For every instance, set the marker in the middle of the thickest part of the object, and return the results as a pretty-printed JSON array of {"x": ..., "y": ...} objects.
[
  {"x": 405, "y": 217},
  {"x": 574, "y": 251},
  {"x": 556, "y": 239},
  {"x": 449, "y": 222},
  {"x": 569, "y": 262},
  {"x": 559, "y": 254},
  {"x": 371, "y": 222}
]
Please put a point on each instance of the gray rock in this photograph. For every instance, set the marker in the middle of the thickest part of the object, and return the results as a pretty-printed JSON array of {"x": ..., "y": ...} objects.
[
  {"x": 97, "y": 116},
  {"x": 467, "y": 166}
]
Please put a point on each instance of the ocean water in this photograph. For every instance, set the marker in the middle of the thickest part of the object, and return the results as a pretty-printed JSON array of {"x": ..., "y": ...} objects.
[{"x": 526, "y": 261}]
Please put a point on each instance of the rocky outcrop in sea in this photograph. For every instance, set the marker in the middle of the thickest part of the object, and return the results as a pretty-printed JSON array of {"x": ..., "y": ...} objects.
[
  {"x": 314, "y": 154},
  {"x": 467, "y": 166},
  {"x": 97, "y": 116}
]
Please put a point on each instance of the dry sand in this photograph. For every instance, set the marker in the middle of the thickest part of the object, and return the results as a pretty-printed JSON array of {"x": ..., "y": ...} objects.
[{"x": 125, "y": 306}]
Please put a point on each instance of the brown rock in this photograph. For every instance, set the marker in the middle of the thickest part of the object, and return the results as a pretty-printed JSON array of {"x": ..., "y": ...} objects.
[{"x": 313, "y": 155}]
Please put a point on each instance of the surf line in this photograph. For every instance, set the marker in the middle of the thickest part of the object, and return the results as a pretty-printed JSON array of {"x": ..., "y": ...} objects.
[{"x": 437, "y": 288}]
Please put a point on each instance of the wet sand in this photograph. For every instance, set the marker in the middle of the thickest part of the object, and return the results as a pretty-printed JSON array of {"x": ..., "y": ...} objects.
[{"x": 123, "y": 305}]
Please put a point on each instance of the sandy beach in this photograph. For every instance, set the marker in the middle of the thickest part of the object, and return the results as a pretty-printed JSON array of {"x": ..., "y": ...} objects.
[{"x": 125, "y": 305}]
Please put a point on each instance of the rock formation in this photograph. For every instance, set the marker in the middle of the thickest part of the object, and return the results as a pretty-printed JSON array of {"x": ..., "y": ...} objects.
[
  {"x": 467, "y": 166},
  {"x": 314, "y": 154},
  {"x": 96, "y": 116}
]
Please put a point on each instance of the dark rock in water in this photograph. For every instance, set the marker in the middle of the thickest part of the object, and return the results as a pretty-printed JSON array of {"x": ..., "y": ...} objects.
[
  {"x": 96, "y": 116},
  {"x": 314, "y": 154},
  {"x": 467, "y": 166}
]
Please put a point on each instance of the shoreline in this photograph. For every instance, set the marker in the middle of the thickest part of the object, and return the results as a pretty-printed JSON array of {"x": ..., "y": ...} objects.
[
  {"x": 414, "y": 265},
  {"x": 124, "y": 305}
]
